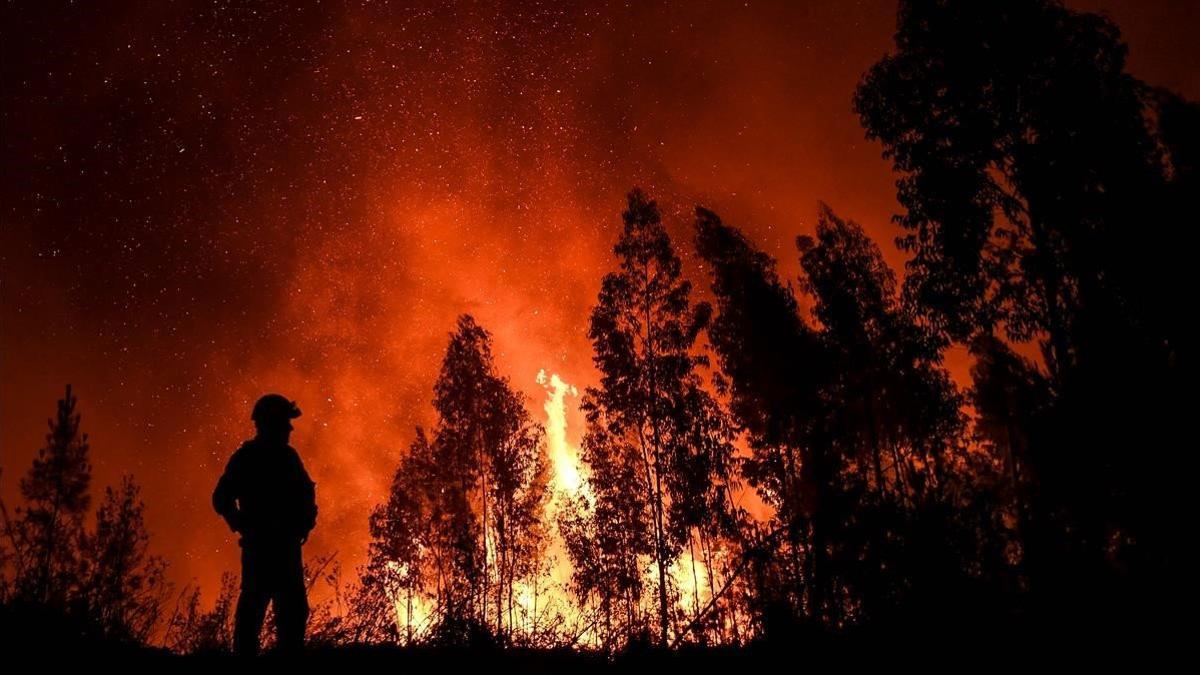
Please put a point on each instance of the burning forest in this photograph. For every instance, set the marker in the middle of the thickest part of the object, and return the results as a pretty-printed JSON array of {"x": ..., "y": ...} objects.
[{"x": 549, "y": 414}]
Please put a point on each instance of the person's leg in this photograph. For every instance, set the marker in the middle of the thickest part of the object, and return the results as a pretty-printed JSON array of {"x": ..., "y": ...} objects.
[
  {"x": 291, "y": 601},
  {"x": 251, "y": 606}
]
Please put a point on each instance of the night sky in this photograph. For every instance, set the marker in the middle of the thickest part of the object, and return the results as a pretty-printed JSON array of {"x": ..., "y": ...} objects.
[{"x": 203, "y": 202}]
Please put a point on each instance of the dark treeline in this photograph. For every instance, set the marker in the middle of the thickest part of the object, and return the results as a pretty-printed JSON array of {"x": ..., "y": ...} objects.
[
  {"x": 63, "y": 580},
  {"x": 1045, "y": 195}
]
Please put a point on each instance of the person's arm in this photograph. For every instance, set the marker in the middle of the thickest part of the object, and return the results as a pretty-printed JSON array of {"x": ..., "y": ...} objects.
[
  {"x": 308, "y": 502},
  {"x": 225, "y": 496}
]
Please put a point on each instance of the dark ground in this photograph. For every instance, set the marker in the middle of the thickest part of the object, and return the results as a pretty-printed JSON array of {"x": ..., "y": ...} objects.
[{"x": 965, "y": 649}]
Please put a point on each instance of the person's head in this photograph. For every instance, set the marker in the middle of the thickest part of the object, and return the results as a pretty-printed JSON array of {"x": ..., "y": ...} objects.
[{"x": 273, "y": 415}]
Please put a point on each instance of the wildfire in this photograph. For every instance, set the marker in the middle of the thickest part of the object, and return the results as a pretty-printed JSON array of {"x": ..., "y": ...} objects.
[
  {"x": 689, "y": 576},
  {"x": 537, "y": 605},
  {"x": 567, "y": 481},
  {"x": 545, "y": 603},
  {"x": 413, "y": 611},
  {"x": 564, "y": 457}
]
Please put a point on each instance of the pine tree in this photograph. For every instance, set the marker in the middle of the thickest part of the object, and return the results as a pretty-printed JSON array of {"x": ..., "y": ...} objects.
[{"x": 49, "y": 529}]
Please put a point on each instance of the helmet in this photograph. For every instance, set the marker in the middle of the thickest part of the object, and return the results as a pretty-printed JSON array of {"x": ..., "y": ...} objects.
[{"x": 274, "y": 407}]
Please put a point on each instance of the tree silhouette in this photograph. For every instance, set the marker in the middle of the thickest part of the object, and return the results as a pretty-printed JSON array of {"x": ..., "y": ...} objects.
[
  {"x": 463, "y": 523},
  {"x": 702, "y": 487},
  {"x": 69, "y": 581},
  {"x": 608, "y": 533},
  {"x": 642, "y": 329},
  {"x": 47, "y": 532},
  {"x": 517, "y": 475},
  {"x": 891, "y": 418},
  {"x": 125, "y": 585},
  {"x": 774, "y": 363},
  {"x": 855, "y": 427},
  {"x": 1012, "y": 399},
  {"x": 401, "y": 548},
  {"x": 1032, "y": 175},
  {"x": 1021, "y": 149},
  {"x": 898, "y": 404}
]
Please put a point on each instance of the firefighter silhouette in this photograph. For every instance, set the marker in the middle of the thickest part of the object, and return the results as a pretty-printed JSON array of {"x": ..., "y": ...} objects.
[{"x": 267, "y": 497}]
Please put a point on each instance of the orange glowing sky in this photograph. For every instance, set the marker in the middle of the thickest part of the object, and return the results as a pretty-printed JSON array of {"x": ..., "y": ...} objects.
[{"x": 202, "y": 204}]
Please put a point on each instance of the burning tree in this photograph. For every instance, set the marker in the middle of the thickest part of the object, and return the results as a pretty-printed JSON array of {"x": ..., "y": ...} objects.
[
  {"x": 462, "y": 528},
  {"x": 607, "y": 534},
  {"x": 654, "y": 481},
  {"x": 402, "y": 552}
]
